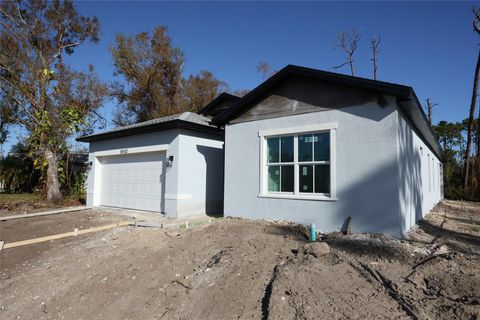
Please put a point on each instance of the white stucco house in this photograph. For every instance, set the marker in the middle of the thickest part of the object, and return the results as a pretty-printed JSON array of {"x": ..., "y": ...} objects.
[
  {"x": 171, "y": 165},
  {"x": 317, "y": 147},
  {"x": 305, "y": 145}
]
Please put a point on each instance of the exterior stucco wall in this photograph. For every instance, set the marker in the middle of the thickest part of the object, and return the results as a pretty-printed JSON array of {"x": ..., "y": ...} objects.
[
  {"x": 421, "y": 180},
  {"x": 169, "y": 137},
  {"x": 200, "y": 174},
  {"x": 366, "y": 171},
  {"x": 193, "y": 185}
]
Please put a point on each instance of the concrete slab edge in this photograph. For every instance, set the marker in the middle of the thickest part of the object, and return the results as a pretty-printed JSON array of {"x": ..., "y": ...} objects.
[{"x": 43, "y": 213}]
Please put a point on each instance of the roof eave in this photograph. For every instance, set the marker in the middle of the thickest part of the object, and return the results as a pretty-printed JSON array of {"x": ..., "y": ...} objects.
[
  {"x": 219, "y": 99},
  {"x": 239, "y": 107},
  {"x": 174, "y": 124}
]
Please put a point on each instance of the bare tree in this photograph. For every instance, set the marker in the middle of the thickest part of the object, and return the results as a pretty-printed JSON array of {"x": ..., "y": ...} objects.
[
  {"x": 348, "y": 42},
  {"x": 429, "y": 108},
  {"x": 374, "y": 45},
  {"x": 240, "y": 92},
  {"x": 265, "y": 69},
  {"x": 473, "y": 102}
]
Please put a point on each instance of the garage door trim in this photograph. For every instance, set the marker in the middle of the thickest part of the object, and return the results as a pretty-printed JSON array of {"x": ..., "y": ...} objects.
[{"x": 155, "y": 148}]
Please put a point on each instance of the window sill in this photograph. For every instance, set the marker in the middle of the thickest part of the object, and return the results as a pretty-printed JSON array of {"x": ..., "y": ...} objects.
[{"x": 296, "y": 197}]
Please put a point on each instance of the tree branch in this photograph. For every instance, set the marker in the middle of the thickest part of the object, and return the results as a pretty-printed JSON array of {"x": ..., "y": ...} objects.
[
  {"x": 11, "y": 30},
  {"x": 476, "y": 21},
  {"x": 342, "y": 65},
  {"x": 10, "y": 18}
]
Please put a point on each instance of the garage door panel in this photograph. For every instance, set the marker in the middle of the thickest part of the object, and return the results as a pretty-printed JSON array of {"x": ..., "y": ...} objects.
[{"x": 133, "y": 181}]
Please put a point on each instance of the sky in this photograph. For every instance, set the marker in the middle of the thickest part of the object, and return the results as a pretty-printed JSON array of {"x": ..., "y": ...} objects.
[{"x": 430, "y": 46}]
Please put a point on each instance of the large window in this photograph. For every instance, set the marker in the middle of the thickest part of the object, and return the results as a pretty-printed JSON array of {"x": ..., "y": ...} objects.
[{"x": 298, "y": 164}]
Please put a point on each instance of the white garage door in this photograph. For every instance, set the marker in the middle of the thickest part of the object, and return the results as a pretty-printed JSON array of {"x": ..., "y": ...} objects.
[{"x": 133, "y": 181}]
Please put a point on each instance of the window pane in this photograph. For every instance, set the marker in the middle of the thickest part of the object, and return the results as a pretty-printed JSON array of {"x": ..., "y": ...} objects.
[
  {"x": 322, "y": 146},
  {"x": 274, "y": 178},
  {"x": 273, "y": 151},
  {"x": 306, "y": 178},
  {"x": 305, "y": 147},
  {"x": 287, "y": 149},
  {"x": 322, "y": 178},
  {"x": 287, "y": 179}
]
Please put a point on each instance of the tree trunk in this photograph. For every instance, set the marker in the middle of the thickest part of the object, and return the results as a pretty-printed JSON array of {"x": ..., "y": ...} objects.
[
  {"x": 470, "y": 123},
  {"x": 53, "y": 184},
  {"x": 374, "y": 63},
  {"x": 429, "y": 111},
  {"x": 350, "y": 61}
]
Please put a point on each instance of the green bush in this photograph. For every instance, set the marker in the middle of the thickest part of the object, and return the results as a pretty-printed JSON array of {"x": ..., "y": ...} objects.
[
  {"x": 78, "y": 185},
  {"x": 18, "y": 174}
]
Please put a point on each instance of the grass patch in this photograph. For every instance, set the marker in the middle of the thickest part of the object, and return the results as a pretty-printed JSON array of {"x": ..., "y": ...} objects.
[{"x": 22, "y": 197}]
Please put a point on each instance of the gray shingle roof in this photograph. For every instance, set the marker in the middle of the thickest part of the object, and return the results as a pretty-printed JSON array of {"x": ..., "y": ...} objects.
[{"x": 184, "y": 116}]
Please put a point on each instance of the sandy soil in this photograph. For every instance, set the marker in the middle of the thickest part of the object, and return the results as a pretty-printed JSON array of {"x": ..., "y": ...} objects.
[
  {"x": 240, "y": 269},
  {"x": 41, "y": 226}
]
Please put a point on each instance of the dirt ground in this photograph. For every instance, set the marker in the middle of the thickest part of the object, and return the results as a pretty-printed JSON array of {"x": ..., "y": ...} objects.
[
  {"x": 41, "y": 226},
  {"x": 241, "y": 269}
]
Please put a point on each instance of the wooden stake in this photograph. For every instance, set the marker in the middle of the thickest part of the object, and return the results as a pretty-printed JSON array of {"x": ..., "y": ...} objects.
[{"x": 348, "y": 229}]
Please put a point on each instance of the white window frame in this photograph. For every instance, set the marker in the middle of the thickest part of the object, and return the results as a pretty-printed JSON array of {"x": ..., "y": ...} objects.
[{"x": 296, "y": 131}]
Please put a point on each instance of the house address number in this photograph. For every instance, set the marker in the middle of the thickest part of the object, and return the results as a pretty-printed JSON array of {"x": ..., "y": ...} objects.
[{"x": 123, "y": 151}]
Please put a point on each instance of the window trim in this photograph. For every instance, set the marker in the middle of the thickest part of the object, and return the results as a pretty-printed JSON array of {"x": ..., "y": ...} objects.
[{"x": 264, "y": 134}]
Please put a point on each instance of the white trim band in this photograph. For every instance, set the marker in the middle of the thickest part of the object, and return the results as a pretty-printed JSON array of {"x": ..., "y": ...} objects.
[
  {"x": 295, "y": 130},
  {"x": 297, "y": 197},
  {"x": 125, "y": 151}
]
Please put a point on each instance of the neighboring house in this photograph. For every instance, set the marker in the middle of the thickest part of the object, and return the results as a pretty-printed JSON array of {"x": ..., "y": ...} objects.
[
  {"x": 172, "y": 165},
  {"x": 317, "y": 147},
  {"x": 306, "y": 146}
]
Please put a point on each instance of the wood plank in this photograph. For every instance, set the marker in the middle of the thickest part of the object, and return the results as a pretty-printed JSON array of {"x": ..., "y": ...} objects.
[
  {"x": 64, "y": 235},
  {"x": 43, "y": 213}
]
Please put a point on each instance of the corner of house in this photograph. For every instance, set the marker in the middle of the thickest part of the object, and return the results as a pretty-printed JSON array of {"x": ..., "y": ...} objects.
[{"x": 400, "y": 206}]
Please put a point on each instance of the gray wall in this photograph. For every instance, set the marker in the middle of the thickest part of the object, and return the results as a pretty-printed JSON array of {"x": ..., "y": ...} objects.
[
  {"x": 366, "y": 175},
  {"x": 200, "y": 179},
  {"x": 421, "y": 180}
]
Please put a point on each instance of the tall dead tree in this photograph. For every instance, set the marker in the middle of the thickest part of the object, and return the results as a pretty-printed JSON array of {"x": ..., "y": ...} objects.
[
  {"x": 265, "y": 69},
  {"x": 348, "y": 42},
  {"x": 375, "y": 46},
  {"x": 473, "y": 102},
  {"x": 429, "y": 109}
]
